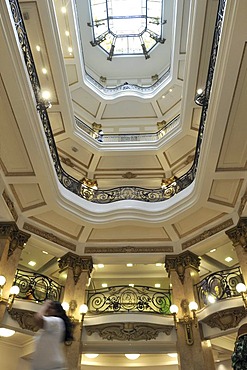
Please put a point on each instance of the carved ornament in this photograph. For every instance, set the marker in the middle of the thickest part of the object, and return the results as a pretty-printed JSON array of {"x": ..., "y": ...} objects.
[
  {"x": 16, "y": 237},
  {"x": 238, "y": 234},
  {"x": 207, "y": 234},
  {"x": 77, "y": 263},
  {"x": 10, "y": 205},
  {"x": 24, "y": 318},
  {"x": 129, "y": 331},
  {"x": 226, "y": 319},
  {"x": 92, "y": 250},
  {"x": 180, "y": 262},
  {"x": 49, "y": 236}
]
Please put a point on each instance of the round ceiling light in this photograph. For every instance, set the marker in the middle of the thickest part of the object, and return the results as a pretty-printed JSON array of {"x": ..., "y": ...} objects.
[
  {"x": 132, "y": 356},
  {"x": 4, "y": 332}
]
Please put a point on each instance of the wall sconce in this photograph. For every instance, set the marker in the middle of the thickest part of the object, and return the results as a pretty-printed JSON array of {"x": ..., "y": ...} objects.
[
  {"x": 14, "y": 291},
  {"x": 70, "y": 309},
  {"x": 241, "y": 288},
  {"x": 83, "y": 310},
  {"x": 186, "y": 320}
]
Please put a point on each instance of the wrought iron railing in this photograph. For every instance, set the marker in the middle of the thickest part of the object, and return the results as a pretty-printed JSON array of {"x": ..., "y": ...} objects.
[
  {"x": 124, "y": 138},
  {"x": 129, "y": 299},
  {"x": 124, "y": 192},
  {"x": 218, "y": 286},
  {"x": 37, "y": 287}
]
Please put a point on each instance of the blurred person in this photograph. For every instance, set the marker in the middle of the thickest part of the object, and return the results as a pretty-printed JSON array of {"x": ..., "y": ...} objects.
[{"x": 55, "y": 329}]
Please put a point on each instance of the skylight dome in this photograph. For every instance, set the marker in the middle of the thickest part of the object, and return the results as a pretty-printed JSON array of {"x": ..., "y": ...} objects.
[{"x": 126, "y": 27}]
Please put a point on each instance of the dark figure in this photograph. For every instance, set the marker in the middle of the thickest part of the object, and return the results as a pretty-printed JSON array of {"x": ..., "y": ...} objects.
[
  {"x": 56, "y": 328},
  {"x": 239, "y": 356}
]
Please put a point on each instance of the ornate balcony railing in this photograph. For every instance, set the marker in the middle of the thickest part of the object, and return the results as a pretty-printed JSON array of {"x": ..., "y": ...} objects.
[
  {"x": 129, "y": 299},
  {"x": 37, "y": 287},
  {"x": 124, "y": 192},
  {"x": 218, "y": 286},
  {"x": 124, "y": 138}
]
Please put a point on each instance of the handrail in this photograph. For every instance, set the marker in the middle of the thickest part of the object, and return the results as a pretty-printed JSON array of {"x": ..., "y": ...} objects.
[
  {"x": 37, "y": 287},
  {"x": 219, "y": 286},
  {"x": 124, "y": 192},
  {"x": 129, "y": 299}
]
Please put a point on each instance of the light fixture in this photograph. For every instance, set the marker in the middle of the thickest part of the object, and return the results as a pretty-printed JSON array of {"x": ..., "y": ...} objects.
[
  {"x": 157, "y": 285},
  {"x": 132, "y": 356},
  {"x": 4, "y": 332},
  {"x": 131, "y": 285},
  {"x": 83, "y": 310},
  {"x": 173, "y": 355},
  {"x": 101, "y": 265},
  {"x": 241, "y": 288},
  {"x": 129, "y": 264},
  {"x": 14, "y": 291},
  {"x": 104, "y": 285},
  {"x": 228, "y": 259},
  {"x": 91, "y": 355},
  {"x": 158, "y": 264},
  {"x": 186, "y": 319},
  {"x": 32, "y": 263}
]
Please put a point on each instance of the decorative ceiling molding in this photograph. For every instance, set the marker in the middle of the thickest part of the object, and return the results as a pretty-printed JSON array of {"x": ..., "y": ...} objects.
[
  {"x": 208, "y": 233},
  {"x": 48, "y": 236},
  {"x": 129, "y": 331},
  {"x": 92, "y": 250}
]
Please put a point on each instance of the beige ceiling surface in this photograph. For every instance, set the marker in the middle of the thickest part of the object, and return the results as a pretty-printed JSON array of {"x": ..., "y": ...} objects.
[{"x": 115, "y": 234}]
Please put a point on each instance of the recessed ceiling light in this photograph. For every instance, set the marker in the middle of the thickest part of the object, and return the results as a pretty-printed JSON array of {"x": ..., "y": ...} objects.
[
  {"x": 170, "y": 90},
  {"x": 66, "y": 33},
  {"x": 63, "y": 10},
  {"x": 44, "y": 71},
  {"x": 91, "y": 355},
  {"x": 157, "y": 285},
  {"x": 132, "y": 356},
  {"x": 4, "y": 332},
  {"x": 199, "y": 91},
  {"x": 46, "y": 94},
  {"x": 32, "y": 263},
  {"x": 129, "y": 264},
  {"x": 101, "y": 265},
  {"x": 70, "y": 49},
  {"x": 104, "y": 285},
  {"x": 132, "y": 285},
  {"x": 163, "y": 96},
  {"x": 173, "y": 355},
  {"x": 158, "y": 264},
  {"x": 38, "y": 47},
  {"x": 44, "y": 252},
  {"x": 228, "y": 259},
  {"x": 212, "y": 250}
]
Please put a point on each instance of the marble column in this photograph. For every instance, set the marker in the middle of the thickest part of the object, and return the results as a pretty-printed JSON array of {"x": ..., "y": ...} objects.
[
  {"x": 78, "y": 270},
  {"x": 12, "y": 241},
  {"x": 238, "y": 236},
  {"x": 193, "y": 352}
]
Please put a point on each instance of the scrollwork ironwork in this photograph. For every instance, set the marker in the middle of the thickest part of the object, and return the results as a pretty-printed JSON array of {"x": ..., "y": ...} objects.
[
  {"x": 36, "y": 287},
  {"x": 219, "y": 285},
  {"x": 129, "y": 299},
  {"x": 121, "y": 193}
]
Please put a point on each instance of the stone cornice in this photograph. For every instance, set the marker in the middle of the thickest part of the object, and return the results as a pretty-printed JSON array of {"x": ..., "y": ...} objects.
[
  {"x": 16, "y": 237},
  {"x": 238, "y": 234}
]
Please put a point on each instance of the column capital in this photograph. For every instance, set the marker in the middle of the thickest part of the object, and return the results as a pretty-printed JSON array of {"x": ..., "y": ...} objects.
[
  {"x": 16, "y": 237},
  {"x": 238, "y": 234},
  {"x": 180, "y": 262},
  {"x": 77, "y": 263}
]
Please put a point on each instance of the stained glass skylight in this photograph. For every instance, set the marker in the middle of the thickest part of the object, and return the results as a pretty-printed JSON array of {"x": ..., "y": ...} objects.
[{"x": 126, "y": 27}]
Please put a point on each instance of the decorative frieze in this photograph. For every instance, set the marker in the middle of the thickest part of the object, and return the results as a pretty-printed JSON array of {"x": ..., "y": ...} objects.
[
  {"x": 77, "y": 263},
  {"x": 49, "y": 236},
  {"x": 207, "y": 234},
  {"x": 180, "y": 262},
  {"x": 238, "y": 234},
  {"x": 226, "y": 319},
  {"x": 129, "y": 331},
  {"x": 97, "y": 250}
]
